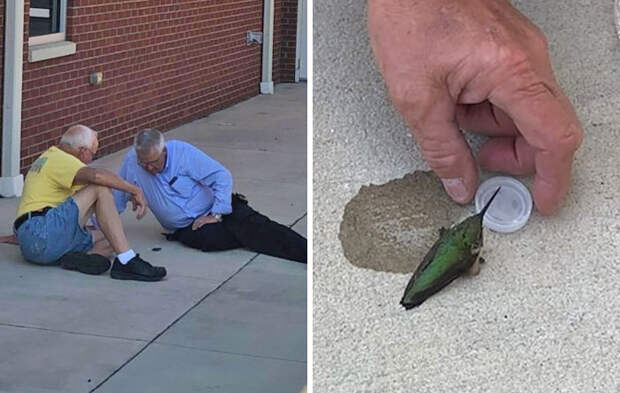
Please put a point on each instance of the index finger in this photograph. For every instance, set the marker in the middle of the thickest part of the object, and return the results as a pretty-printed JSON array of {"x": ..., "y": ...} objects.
[
  {"x": 548, "y": 122},
  {"x": 141, "y": 211},
  {"x": 197, "y": 224}
]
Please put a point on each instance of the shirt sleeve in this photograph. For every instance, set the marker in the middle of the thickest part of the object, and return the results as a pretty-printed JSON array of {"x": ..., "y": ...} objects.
[
  {"x": 210, "y": 173},
  {"x": 63, "y": 170}
]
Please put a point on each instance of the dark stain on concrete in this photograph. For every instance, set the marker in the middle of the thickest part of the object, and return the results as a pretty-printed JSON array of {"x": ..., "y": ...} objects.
[{"x": 390, "y": 227}]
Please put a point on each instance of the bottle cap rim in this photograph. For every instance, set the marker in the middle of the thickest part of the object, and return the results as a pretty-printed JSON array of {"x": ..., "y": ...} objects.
[{"x": 512, "y": 207}]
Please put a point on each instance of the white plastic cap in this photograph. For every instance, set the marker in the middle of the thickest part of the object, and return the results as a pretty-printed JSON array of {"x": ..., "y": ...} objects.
[{"x": 512, "y": 207}]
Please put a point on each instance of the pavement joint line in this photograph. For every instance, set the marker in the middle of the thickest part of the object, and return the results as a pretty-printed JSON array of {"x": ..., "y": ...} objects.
[
  {"x": 71, "y": 332},
  {"x": 148, "y": 344},
  {"x": 199, "y": 278},
  {"x": 232, "y": 353},
  {"x": 190, "y": 309},
  {"x": 297, "y": 220}
]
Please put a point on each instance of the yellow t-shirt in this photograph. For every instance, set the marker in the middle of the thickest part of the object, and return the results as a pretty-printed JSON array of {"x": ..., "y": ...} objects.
[{"x": 49, "y": 180}]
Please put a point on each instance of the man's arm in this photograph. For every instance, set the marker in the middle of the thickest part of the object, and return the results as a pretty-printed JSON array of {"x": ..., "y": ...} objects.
[
  {"x": 103, "y": 177},
  {"x": 220, "y": 181},
  {"x": 212, "y": 174},
  {"x": 121, "y": 197},
  {"x": 9, "y": 239}
]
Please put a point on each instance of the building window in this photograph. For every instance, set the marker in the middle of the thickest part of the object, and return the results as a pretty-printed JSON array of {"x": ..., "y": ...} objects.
[{"x": 48, "y": 19}]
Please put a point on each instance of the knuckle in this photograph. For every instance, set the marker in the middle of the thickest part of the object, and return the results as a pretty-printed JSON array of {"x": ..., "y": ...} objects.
[
  {"x": 514, "y": 58},
  {"x": 571, "y": 138},
  {"x": 443, "y": 164},
  {"x": 533, "y": 90},
  {"x": 565, "y": 143},
  {"x": 540, "y": 41},
  {"x": 402, "y": 94},
  {"x": 409, "y": 100},
  {"x": 521, "y": 70},
  {"x": 537, "y": 39},
  {"x": 520, "y": 53},
  {"x": 438, "y": 154}
]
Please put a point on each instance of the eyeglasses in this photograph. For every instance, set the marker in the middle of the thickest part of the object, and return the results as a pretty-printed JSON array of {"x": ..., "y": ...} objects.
[
  {"x": 156, "y": 163},
  {"x": 89, "y": 150}
]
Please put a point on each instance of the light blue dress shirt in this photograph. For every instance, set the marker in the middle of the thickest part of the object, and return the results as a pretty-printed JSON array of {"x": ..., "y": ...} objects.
[{"x": 191, "y": 185}]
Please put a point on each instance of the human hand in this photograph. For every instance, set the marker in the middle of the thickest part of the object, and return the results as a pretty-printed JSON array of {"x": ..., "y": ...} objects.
[
  {"x": 479, "y": 65},
  {"x": 200, "y": 221},
  {"x": 9, "y": 239},
  {"x": 138, "y": 202}
]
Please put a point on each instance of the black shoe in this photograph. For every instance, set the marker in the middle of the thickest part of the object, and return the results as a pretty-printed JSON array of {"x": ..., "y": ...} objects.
[
  {"x": 84, "y": 263},
  {"x": 137, "y": 269}
]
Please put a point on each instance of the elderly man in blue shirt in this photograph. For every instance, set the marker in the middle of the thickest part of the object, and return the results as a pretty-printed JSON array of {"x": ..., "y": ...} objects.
[{"x": 190, "y": 194}]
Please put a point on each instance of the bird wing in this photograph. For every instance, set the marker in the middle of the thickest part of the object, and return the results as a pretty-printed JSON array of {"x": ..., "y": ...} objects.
[
  {"x": 445, "y": 279},
  {"x": 425, "y": 262}
]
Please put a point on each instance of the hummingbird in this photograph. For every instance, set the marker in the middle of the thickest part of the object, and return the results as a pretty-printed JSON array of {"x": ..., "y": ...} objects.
[{"x": 456, "y": 251}]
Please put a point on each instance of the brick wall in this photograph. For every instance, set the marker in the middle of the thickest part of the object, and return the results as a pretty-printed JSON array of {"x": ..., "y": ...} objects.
[
  {"x": 164, "y": 63},
  {"x": 284, "y": 40}
]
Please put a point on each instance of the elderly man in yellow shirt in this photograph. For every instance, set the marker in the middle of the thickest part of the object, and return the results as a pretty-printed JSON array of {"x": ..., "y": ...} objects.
[{"x": 60, "y": 194}]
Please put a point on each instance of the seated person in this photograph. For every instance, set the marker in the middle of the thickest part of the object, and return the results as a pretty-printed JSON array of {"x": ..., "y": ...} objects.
[
  {"x": 60, "y": 194},
  {"x": 190, "y": 194}
]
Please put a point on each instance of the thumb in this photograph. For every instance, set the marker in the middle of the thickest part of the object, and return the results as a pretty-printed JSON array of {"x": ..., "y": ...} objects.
[{"x": 433, "y": 123}]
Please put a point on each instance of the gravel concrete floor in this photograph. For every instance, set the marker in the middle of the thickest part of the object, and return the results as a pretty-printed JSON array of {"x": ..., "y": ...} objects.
[{"x": 231, "y": 321}]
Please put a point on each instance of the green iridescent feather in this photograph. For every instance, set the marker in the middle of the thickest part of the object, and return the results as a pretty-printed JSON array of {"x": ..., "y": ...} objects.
[{"x": 453, "y": 254}]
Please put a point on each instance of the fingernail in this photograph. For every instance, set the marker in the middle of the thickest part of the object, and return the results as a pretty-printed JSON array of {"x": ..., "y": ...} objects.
[{"x": 456, "y": 189}]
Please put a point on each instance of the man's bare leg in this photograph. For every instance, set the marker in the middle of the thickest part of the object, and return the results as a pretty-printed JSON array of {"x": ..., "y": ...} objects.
[
  {"x": 101, "y": 248},
  {"x": 101, "y": 245},
  {"x": 101, "y": 200}
]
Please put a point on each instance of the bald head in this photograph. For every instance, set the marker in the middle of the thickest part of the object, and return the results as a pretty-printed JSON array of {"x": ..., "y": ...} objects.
[
  {"x": 78, "y": 136},
  {"x": 81, "y": 142}
]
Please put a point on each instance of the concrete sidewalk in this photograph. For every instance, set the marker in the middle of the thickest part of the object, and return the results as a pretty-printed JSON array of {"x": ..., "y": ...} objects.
[
  {"x": 231, "y": 321},
  {"x": 542, "y": 316}
]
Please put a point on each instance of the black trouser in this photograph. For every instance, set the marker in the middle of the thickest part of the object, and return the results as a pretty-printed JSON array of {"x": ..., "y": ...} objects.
[{"x": 245, "y": 227}]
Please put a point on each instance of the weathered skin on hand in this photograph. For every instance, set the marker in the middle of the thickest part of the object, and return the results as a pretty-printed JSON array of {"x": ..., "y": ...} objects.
[{"x": 478, "y": 65}]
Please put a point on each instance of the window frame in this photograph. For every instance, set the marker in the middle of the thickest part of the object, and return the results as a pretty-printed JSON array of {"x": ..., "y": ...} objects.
[{"x": 54, "y": 37}]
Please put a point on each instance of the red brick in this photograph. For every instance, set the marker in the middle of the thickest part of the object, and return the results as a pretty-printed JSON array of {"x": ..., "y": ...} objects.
[{"x": 164, "y": 62}]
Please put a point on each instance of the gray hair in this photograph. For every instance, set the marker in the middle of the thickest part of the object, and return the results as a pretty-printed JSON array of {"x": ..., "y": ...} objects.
[
  {"x": 147, "y": 140},
  {"x": 78, "y": 136}
]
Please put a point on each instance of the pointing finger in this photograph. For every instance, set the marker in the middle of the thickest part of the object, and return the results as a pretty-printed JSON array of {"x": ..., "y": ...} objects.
[{"x": 432, "y": 120}]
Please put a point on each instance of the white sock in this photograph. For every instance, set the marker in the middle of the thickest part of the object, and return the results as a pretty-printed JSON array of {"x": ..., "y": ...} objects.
[{"x": 126, "y": 256}]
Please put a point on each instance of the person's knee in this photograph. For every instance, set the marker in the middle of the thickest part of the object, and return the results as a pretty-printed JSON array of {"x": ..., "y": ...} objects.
[
  {"x": 102, "y": 191},
  {"x": 93, "y": 191},
  {"x": 88, "y": 189}
]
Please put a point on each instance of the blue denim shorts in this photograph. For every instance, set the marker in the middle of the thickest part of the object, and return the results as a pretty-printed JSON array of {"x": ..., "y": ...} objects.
[{"x": 44, "y": 239}]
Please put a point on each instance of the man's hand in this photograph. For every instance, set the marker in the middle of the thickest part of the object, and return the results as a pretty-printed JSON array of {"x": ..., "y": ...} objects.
[
  {"x": 9, "y": 239},
  {"x": 479, "y": 65},
  {"x": 138, "y": 202},
  {"x": 200, "y": 221}
]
